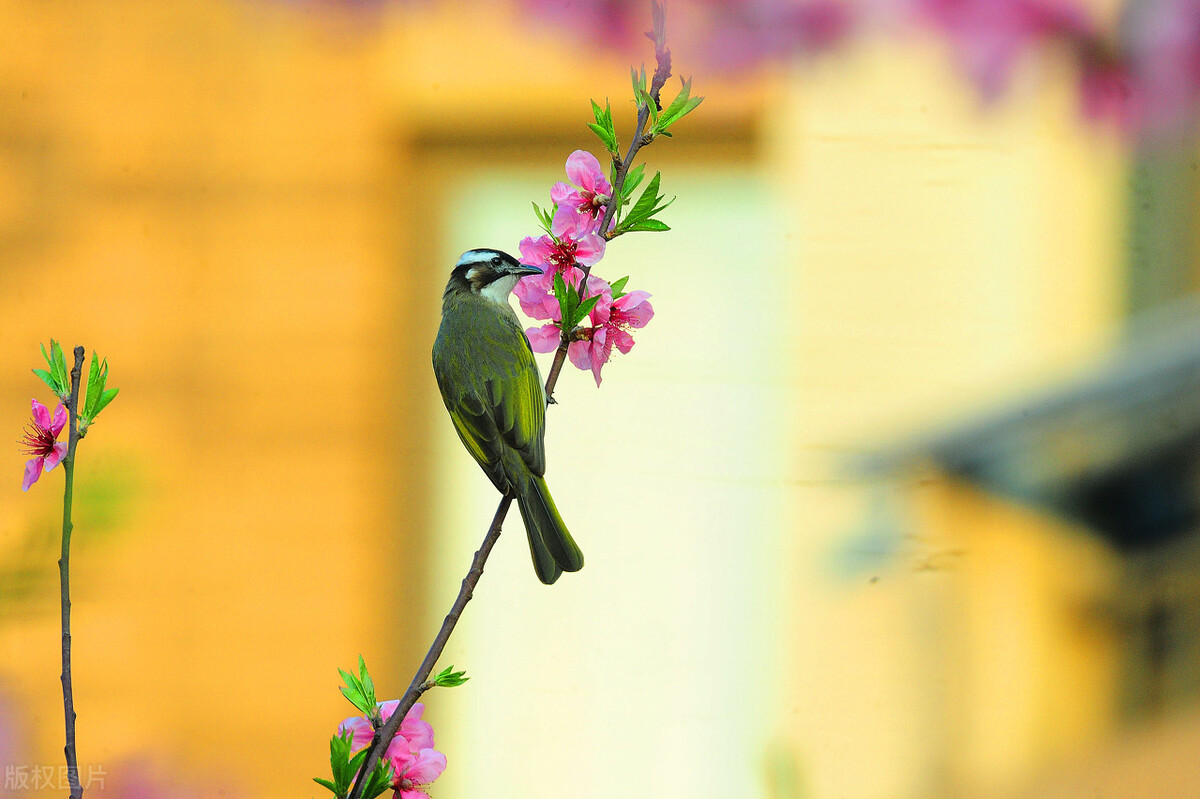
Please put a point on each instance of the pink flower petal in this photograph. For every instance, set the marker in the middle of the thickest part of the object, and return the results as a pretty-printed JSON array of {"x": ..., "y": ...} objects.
[
  {"x": 41, "y": 416},
  {"x": 590, "y": 249},
  {"x": 386, "y": 709},
  {"x": 584, "y": 170},
  {"x": 361, "y": 729},
  {"x": 418, "y": 733},
  {"x": 622, "y": 340},
  {"x": 543, "y": 339},
  {"x": 33, "y": 470},
  {"x": 409, "y": 793},
  {"x": 571, "y": 223},
  {"x": 580, "y": 354},
  {"x": 536, "y": 252},
  {"x": 60, "y": 419},
  {"x": 563, "y": 194},
  {"x": 635, "y": 313},
  {"x": 57, "y": 454},
  {"x": 601, "y": 352},
  {"x": 426, "y": 767}
]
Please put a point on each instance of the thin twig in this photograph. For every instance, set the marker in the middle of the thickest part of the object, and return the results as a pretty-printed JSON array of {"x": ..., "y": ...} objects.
[
  {"x": 64, "y": 576},
  {"x": 418, "y": 685}
]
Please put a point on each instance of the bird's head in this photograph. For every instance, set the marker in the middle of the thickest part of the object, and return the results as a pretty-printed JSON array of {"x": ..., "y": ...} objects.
[{"x": 491, "y": 274}]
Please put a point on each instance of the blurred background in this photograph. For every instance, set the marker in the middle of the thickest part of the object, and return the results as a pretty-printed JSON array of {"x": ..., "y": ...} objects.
[{"x": 897, "y": 497}]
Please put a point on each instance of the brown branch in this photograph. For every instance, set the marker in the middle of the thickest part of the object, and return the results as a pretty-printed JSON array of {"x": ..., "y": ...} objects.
[
  {"x": 64, "y": 576},
  {"x": 420, "y": 682}
]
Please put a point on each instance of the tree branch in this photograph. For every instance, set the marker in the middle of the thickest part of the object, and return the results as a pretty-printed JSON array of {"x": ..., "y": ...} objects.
[{"x": 64, "y": 576}]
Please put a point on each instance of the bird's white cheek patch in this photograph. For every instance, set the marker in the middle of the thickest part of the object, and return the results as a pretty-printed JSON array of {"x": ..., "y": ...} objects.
[{"x": 499, "y": 289}]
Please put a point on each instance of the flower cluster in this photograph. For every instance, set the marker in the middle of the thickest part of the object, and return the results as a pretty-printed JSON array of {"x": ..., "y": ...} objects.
[
  {"x": 574, "y": 240},
  {"x": 415, "y": 763}
]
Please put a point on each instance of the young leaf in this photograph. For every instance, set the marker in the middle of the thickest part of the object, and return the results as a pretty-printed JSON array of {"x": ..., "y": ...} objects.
[
  {"x": 649, "y": 204},
  {"x": 60, "y": 365},
  {"x": 449, "y": 678},
  {"x": 47, "y": 378},
  {"x": 647, "y": 224},
  {"x": 587, "y": 305},
  {"x": 326, "y": 784},
  {"x": 380, "y": 779},
  {"x": 560, "y": 292},
  {"x": 633, "y": 179},
  {"x": 618, "y": 287},
  {"x": 108, "y": 396},
  {"x": 366, "y": 682},
  {"x": 97, "y": 377},
  {"x": 354, "y": 692},
  {"x": 680, "y": 107}
]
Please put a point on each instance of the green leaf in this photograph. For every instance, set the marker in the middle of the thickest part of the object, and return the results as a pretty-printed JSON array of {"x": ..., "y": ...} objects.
[
  {"x": 339, "y": 762},
  {"x": 326, "y": 784},
  {"x": 587, "y": 305},
  {"x": 610, "y": 142},
  {"x": 540, "y": 218},
  {"x": 449, "y": 678},
  {"x": 633, "y": 179},
  {"x": 47, "y": 378},
  {"x": 647, "y": 224},
  {"x": 367, "y": 683},
  {"x": 354, "y": 692},
  {"x": 560, "y": 293},
  {"x": 681, "y": 106},
  {"x": 97, "y": 379},
  {"x": 108, "y": 396},
  {"x": 618, "y": 287},
  {"x": 380, "y": 779},
  {"x": 59, "y": 368},
  {"x": 357, "y": 761},
  {"x": 59, "y": 381},
  {"x": 649, "y": 204}
]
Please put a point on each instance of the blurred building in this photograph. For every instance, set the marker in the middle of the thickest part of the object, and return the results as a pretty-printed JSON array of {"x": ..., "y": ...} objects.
[{"x": 250, "y": 208}]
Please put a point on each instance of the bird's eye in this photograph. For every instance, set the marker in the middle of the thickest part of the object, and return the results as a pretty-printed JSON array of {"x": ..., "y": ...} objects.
[{"x": 496, "y": 262}]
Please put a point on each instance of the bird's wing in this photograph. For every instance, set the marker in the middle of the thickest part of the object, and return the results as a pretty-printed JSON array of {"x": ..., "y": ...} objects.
[
  {"x": 518, "y": 405},
  {"x": 494, "y": 395}
]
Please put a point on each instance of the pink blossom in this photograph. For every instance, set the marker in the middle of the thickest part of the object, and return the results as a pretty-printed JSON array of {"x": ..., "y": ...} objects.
[
  {"x": 544, "y": 338},
  {"x": 415, "y": 763},
  {"x": 559, "y": 254},
  {"x": 741, "y": 35},
  {"x": 580, "y": 209},
  {"x": 990, "y": 35},
  {"x": 39, "y": 441},
  {"x": 612, "y": 321}
]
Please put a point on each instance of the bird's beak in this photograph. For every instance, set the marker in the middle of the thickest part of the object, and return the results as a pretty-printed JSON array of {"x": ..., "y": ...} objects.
[{"x": 523, "y": 270}]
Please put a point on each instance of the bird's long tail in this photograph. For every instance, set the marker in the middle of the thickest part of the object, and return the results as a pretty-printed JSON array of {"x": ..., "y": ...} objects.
[{"x": 553, "y": 549}]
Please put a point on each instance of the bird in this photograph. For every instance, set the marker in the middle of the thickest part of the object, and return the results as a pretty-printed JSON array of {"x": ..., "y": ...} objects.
[{"x": 493, "y": 391}]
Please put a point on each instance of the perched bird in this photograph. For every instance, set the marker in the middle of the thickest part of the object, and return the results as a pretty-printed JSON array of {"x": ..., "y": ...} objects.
[{"x": 492, "y": 389}]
